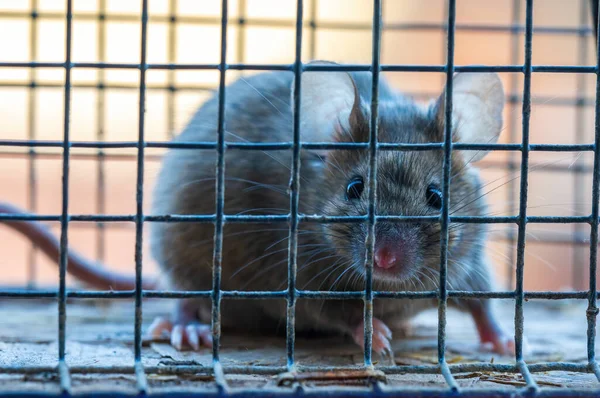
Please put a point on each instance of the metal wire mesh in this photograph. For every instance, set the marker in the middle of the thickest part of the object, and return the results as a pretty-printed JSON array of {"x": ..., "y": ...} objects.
[{"x": 292, "y": 293}]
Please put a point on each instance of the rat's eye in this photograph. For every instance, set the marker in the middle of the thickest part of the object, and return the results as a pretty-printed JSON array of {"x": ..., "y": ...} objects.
[
  {"x": 355, "y": 188},
  {"x": 434, "y": 197}
]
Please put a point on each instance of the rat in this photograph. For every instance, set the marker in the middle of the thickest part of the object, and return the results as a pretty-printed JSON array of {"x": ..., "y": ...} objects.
[{"x": 335, "y": 107}]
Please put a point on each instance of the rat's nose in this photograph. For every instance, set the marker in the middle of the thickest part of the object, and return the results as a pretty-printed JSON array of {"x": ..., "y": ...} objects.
[{"x": 387, "y": 256}]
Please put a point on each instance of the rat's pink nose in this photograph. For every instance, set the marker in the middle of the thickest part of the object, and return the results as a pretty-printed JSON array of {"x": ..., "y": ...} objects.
[{"x": 386, "y": 257}]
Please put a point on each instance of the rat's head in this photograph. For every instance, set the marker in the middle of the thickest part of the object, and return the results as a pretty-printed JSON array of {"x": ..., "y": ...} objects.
[{"x": 408, "y": 183}]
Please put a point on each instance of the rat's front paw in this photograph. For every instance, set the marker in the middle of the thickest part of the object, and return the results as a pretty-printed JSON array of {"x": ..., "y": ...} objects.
[
  {"x": 193, "y": 334},
  {"x": 382, "y": 337},
  {"x": 502, "y": 343},
  {"x": 491, "y": 334}
]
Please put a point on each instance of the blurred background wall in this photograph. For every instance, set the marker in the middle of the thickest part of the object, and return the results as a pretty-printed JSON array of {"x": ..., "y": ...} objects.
[{"x": 105, "y": 106}]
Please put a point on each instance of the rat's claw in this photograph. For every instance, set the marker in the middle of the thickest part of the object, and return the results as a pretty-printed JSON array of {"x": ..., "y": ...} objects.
[
  {"x": 177, "y": 337},
  {"x": 388, "y": 354},
  {"x": 192, "y": 337},
  {"x": 491, "y": 333},
  {"x": 504, "y": 344},
  {"x": 382, "y": 328},
  {"x": 205, "y": 334},
  {"x": 382, "y": 336},
  {"x": 198, "y": 334},
  {"x": 194, "y": 334},
  {"x": 381, "y": 343},
  {"x": 158, "y": 327}
]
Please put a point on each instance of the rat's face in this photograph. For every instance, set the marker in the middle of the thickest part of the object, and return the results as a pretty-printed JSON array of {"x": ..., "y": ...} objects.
[{"x": 409, "y": 183}]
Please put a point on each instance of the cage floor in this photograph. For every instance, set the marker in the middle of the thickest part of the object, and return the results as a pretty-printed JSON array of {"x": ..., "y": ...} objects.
[{"x": 101, "y": 334}]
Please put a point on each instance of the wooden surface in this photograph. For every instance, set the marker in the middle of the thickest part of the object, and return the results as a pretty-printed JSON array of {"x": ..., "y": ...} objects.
[{"x": 101, "y": 334}]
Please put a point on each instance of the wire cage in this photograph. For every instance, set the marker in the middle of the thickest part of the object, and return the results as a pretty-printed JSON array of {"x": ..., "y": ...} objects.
[{"x": 518, "y": 161}]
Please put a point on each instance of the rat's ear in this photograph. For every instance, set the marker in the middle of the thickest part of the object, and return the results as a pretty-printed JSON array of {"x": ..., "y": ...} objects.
[
  {"x": 478, "y": 102},
  {"x": 329, "y": 105}
]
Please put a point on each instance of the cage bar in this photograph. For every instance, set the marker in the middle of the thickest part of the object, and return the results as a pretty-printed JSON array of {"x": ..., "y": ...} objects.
[
  {"x": 100, "y": 135},
  {"x": 249, "y": 219},
  {"x": 32, "y": 133},
  {"x": 337, "y": 25},
  {"x": 372, "y": 206},
  {"x": 139, "y": 201},
  {"x": 294, "y": 194},
  {"x": 277, "y": 146},
  {"x": 315, "y": 67},
  {"x": 171, "y": 56},
  {"x": 592, "y": 310},
  {"x": 63, "y": 371},
  {"x": 220, "y": 204},
  {"x": 521, "y": 237},
  {"x": 445, "y": 211},
  {"x": 307, "y": 294}
]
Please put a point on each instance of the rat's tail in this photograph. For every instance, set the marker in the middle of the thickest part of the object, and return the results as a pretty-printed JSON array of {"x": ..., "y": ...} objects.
[{"x": 78, "y": 266}]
